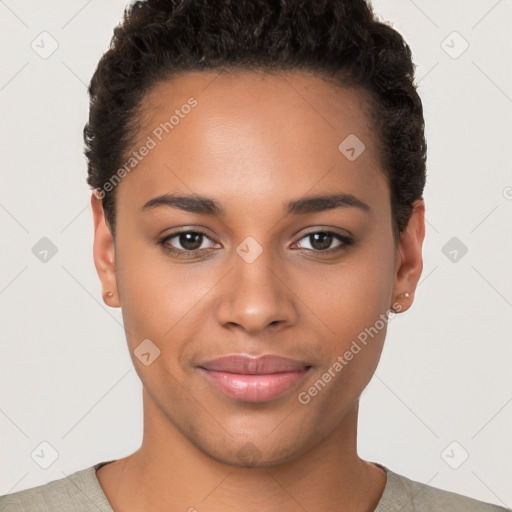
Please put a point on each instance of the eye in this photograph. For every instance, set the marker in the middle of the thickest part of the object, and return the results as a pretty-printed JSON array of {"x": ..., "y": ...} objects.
[
  {"x": 191, "y": 243},
  {"x": 186, "y": 243},
  {"x": 321, "y": 241}
]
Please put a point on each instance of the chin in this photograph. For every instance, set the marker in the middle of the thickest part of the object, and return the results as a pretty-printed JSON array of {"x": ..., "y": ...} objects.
[{"x": 249, "y": 454}]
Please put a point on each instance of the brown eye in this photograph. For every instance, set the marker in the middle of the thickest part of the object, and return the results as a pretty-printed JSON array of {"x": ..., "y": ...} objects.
[
  {"x": 190, "y": 241},
  {"x": 184, "y": 242},
  {"x": 321, "y": 241}
]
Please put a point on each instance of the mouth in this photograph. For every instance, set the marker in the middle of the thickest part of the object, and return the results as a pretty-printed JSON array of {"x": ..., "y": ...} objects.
[{"x": 254, "y": 379}]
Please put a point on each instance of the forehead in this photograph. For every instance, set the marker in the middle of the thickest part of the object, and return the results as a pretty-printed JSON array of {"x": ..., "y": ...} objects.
[
  {"x": 255, "y": 133},
  {"x": 296, "y": 100}
]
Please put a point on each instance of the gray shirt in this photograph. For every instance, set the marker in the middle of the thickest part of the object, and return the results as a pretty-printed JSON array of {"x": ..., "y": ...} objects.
[{"x": 81, "y": 492}]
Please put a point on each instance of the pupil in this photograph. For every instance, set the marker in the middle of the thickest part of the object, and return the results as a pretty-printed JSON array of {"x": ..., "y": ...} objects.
[
  {"x": 325, "y": 240},
  {"x": 186, "y": 241}
]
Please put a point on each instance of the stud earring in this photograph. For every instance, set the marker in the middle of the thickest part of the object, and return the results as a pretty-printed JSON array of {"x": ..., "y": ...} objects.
[
  {"x": 394, "y": 307},
  {"x": 109, "y": 294}
]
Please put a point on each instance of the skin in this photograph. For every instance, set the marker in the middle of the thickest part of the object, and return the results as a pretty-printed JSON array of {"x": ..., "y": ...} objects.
[{"x": 254, "y": 142}]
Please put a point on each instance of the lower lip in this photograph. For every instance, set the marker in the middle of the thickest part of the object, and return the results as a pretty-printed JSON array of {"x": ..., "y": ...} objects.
[{"x": 254, "y": 388}]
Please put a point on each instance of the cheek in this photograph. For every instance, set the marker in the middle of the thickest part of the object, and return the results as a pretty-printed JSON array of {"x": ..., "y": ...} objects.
[
  {"x": 353, "y": 304},
  {"x": 160, "y": 300},
  {"x": 151, "y": 296},
  {"x": 355, "y": 294}
]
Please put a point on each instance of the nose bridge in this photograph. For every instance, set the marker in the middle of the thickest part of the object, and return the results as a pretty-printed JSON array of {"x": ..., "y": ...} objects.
[{"x": 255, "y": 295}]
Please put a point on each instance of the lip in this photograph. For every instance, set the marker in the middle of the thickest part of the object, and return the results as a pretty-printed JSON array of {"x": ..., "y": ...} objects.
[{"x": 254, "y": 379}]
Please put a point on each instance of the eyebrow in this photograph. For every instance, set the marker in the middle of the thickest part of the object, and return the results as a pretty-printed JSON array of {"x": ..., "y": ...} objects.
[{"x": 208, "y": 206}]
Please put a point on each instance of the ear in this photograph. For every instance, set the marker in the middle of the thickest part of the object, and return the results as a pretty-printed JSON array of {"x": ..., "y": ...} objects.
[
  {"x": 409, "y": 259},
  {"x": 104, "y": 253}
]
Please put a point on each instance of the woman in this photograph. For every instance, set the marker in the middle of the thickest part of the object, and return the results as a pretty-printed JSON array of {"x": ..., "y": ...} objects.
[{"x": 257, "y": 171}]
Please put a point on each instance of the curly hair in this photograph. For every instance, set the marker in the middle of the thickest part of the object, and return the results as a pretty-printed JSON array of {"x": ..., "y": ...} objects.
[{"x": 339, "y": 40}]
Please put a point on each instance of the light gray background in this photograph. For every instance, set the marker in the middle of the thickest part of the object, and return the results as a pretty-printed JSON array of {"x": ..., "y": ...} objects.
[{"x": 65, "y": 373}]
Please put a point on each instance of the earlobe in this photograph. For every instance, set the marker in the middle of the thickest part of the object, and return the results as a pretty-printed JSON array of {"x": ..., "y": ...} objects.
[
  {"x": 104, "y": 254},
  {"x": 409, "y": 257}
]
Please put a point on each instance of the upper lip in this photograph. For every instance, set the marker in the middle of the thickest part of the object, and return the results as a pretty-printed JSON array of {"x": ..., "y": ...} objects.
[{"x": 250, "y": 365}]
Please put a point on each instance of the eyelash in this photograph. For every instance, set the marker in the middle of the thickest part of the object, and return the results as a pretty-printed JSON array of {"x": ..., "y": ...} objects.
[{"x": 182, "y": 253}]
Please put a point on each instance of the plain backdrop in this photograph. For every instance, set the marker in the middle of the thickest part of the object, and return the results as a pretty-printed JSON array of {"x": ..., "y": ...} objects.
[{"x": 438, "y": 410}]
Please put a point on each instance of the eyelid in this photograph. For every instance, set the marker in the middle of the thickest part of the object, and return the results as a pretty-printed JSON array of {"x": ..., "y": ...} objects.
[
  {"x": 345, "y": 241},
  {"x": 326, "y": 229},
  {"x": 186, "y": 230}
]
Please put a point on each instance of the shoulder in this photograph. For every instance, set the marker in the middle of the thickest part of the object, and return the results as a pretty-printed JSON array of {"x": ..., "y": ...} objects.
[
  {"x": 78, "y": 492},
  {"x": 407, "y": 495}
]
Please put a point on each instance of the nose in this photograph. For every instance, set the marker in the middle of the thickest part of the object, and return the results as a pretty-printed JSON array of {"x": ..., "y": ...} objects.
[{"x": 256, "y": 296}]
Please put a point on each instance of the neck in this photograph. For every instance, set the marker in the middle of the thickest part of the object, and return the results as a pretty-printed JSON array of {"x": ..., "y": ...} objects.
[{"x": 168, "y": 469}]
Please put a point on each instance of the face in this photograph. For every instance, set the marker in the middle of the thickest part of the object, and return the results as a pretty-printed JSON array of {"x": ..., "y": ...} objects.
[{"x": 255, "y": 264}]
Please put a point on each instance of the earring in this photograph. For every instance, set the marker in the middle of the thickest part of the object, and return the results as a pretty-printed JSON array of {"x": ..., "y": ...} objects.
[
  {"x": 404, "y": 295},
  {"x": 109, "y": 294}
]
